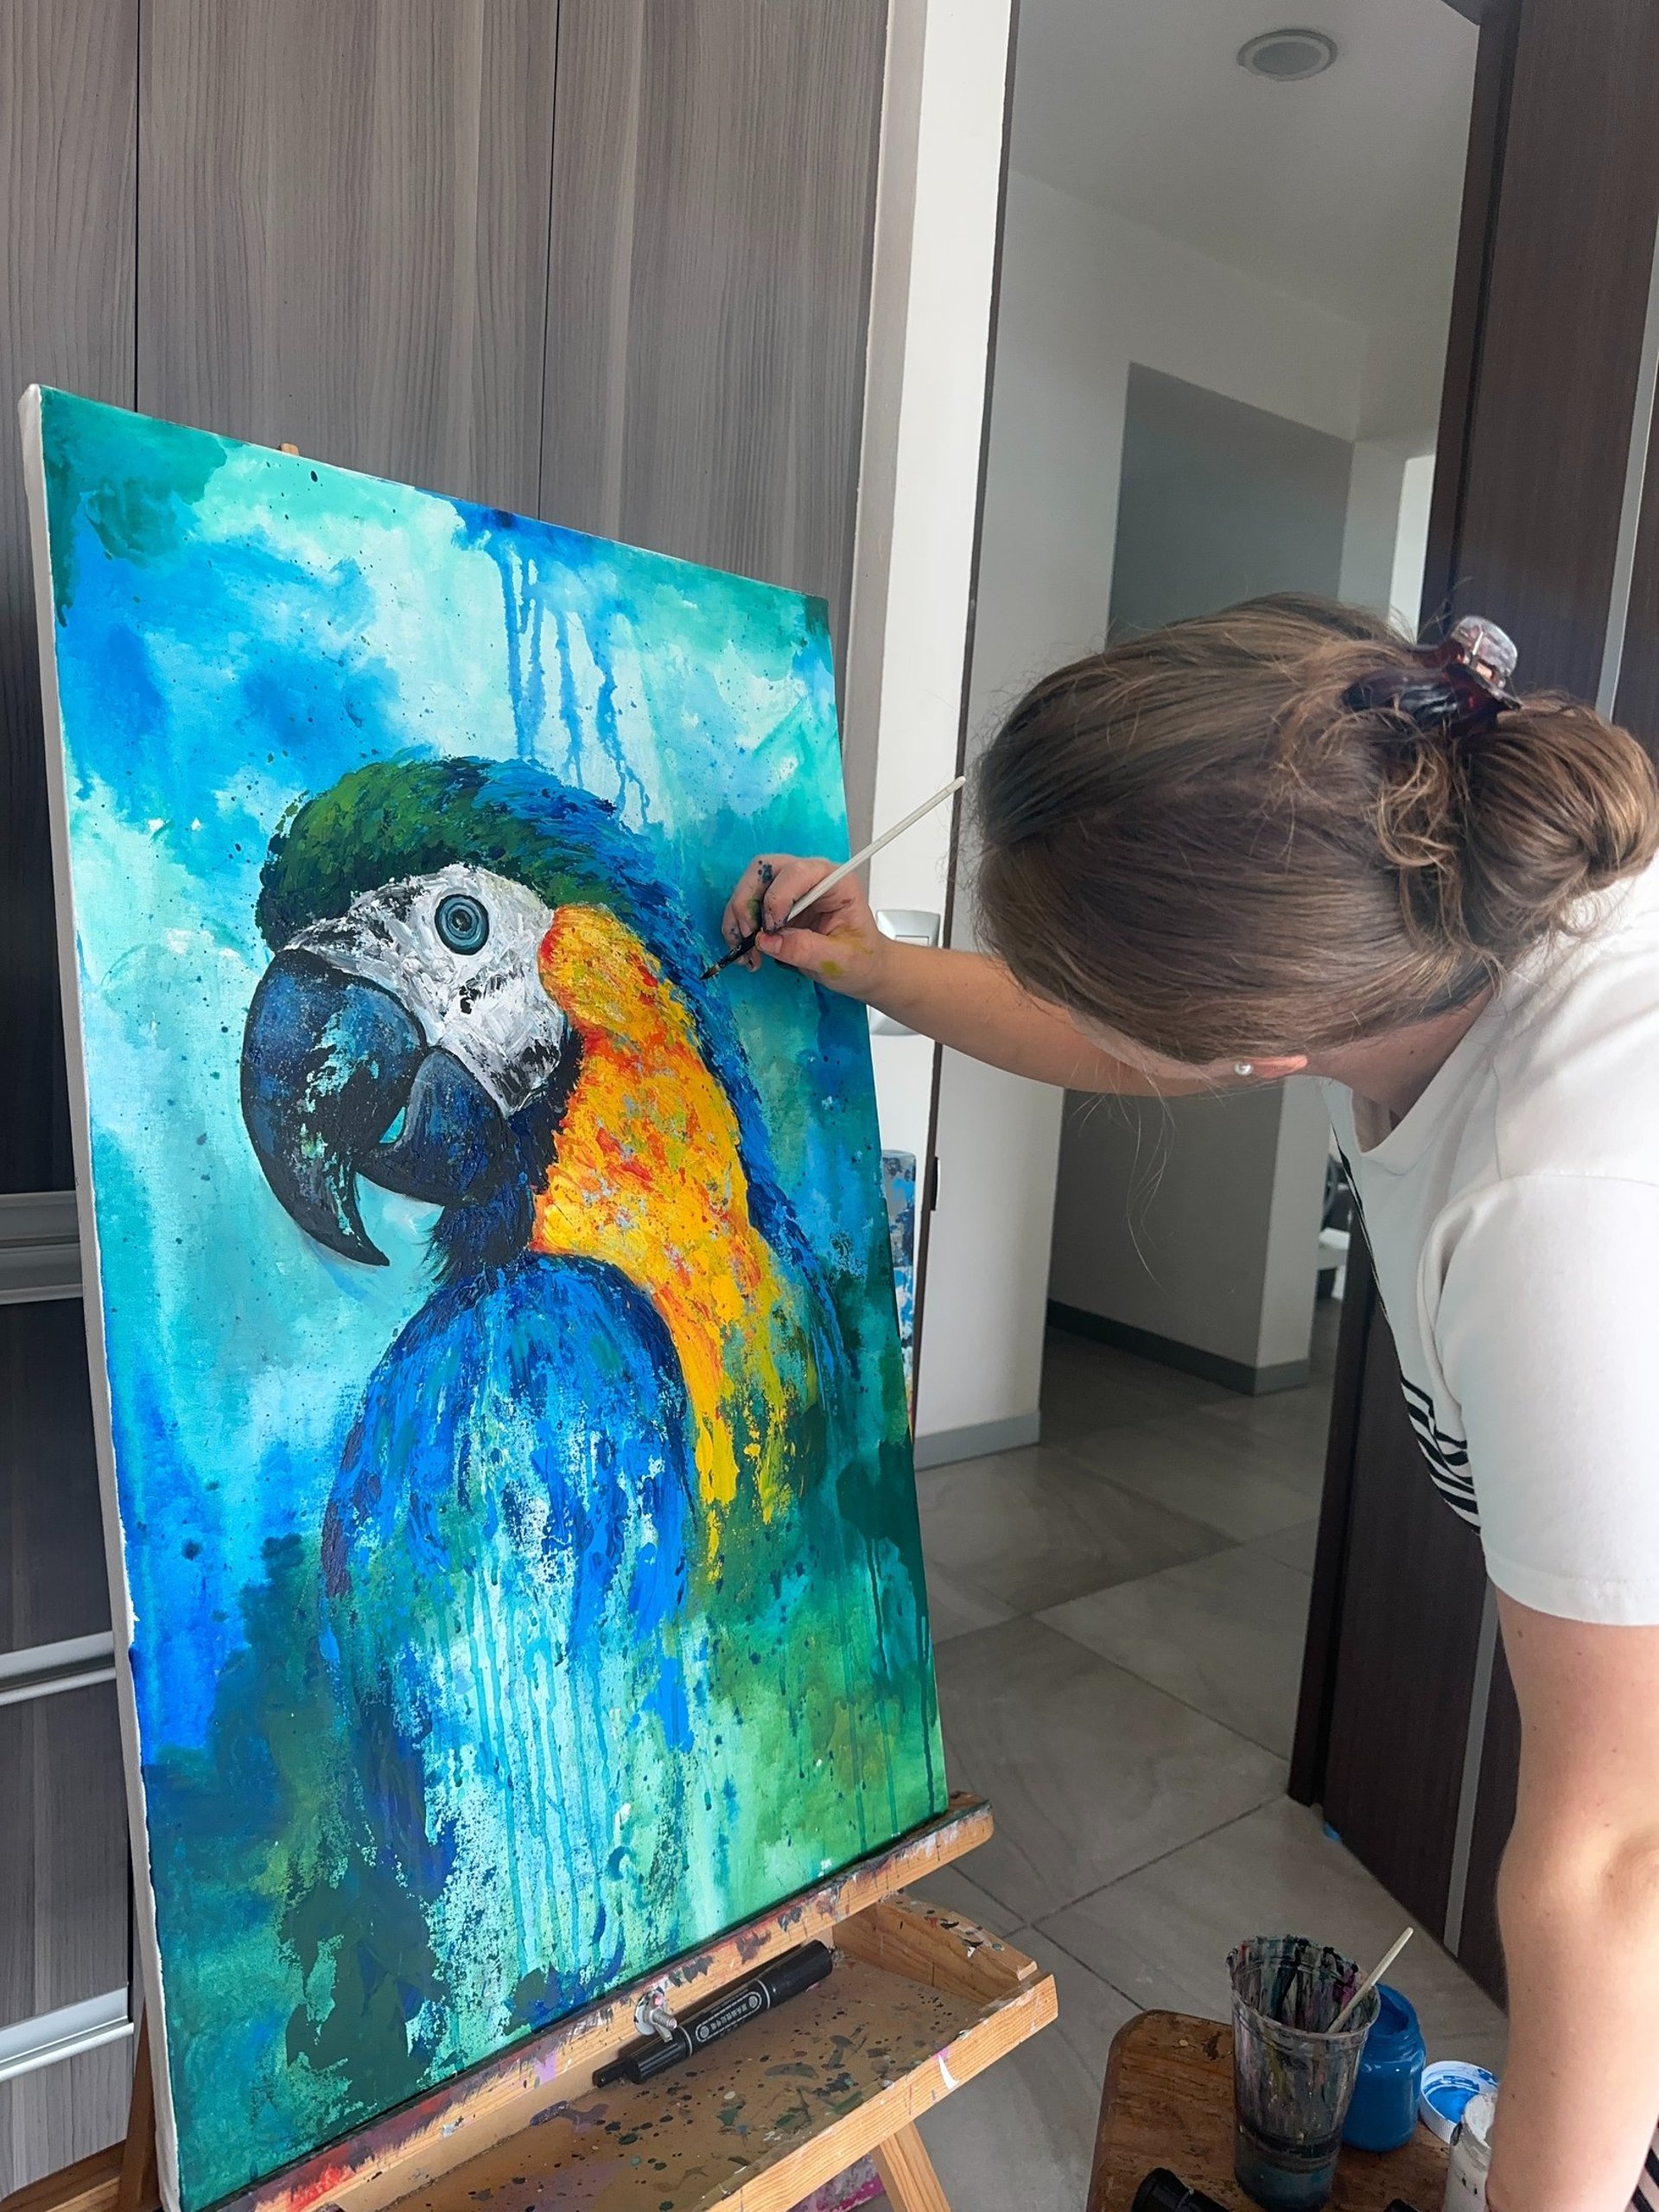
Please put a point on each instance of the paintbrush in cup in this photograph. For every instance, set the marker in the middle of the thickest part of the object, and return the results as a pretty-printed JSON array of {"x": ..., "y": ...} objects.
[{"x": 1370, "y": 1980}]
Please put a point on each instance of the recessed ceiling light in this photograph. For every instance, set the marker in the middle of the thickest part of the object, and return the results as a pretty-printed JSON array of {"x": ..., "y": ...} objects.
[{"x": 1287, "y": 56}]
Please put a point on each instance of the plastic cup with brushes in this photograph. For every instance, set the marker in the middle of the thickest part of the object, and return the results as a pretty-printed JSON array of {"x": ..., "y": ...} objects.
[{"x": 1302, "y": 2012}]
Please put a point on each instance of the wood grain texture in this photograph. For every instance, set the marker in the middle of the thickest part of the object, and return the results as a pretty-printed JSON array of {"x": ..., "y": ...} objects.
[
  {"x": 55, "y": 2118},
  {"x": 1483, "y": 171},
  {"x": 1168, "y": 2101},
  {"x": 714, "y": 195},
  {"x": 343, "y": 230},
  {"x": 1561, "y": 335},
  {"x": 85, "y": 2185},
  {"x": 1480, "y": 1950},
  {"x": 139, "y": 2185},
  {"x": 63, "y": 1844},
  {"x": 1321, "y": 1648},
  {"x": 68, "y": 158},
  {"x": 53, "y": 1583},
  {"x": 908, "y": 2174},
  {"x": 904, "y": 1935},
  {"x": 1637, "y": 706},
  {"x": 763, "y": 2117},
  {"x": 1407, "y": 1635}
]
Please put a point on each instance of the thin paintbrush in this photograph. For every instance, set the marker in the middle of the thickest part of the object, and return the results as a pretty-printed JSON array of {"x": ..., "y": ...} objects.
[
  {"x": 746, "y": 944},
  {"x": 1370, "y": 1980}
]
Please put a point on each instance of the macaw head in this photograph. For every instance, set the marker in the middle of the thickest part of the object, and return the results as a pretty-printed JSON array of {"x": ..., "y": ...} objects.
[
  {"x": 403, "y": 1033},
  {"x": 409, "y": 1041}
]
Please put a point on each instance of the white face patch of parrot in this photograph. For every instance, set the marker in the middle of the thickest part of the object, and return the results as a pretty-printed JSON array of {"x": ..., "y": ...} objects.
[{"x": 458, "y": 950}]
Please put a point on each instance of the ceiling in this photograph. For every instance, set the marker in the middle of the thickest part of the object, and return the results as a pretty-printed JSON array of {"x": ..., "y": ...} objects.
[{"x": 1343, "y": 190}]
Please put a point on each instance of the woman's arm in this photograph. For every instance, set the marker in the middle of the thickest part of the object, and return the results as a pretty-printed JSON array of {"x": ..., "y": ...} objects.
[
  {"x": 965, "y": 1000},
  {"x": 1579, "y": 1911},
  {"x": 962, "y": 999}
]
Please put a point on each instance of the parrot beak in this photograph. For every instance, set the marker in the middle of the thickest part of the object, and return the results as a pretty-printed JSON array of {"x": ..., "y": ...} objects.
[{"x": 330, "y": 1063}]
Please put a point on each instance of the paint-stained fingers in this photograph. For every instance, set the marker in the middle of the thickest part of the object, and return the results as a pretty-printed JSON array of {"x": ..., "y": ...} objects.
[
  {"x": 743, "y": 908},
  {"x": 779, "y": 878}
]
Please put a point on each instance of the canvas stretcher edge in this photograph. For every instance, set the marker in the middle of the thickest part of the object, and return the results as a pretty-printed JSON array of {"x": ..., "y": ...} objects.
[{"x": 29, "y": 424}]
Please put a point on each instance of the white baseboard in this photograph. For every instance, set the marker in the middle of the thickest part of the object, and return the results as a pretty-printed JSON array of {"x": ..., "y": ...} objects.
[{"x": 941, "y": 1446}]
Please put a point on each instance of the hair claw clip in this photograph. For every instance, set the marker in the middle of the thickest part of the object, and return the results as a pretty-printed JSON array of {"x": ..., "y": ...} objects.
[
  {"x": 1487, "y": 652},
  {"x": 1464, "y": 686}
]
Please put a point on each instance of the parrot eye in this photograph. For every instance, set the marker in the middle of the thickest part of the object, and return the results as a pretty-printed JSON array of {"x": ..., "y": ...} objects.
[{"x": 462, "y": 923}]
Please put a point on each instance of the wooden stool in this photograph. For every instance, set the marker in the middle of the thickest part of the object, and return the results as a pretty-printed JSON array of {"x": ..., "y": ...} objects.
[{"x": 1168, "y": 2101}]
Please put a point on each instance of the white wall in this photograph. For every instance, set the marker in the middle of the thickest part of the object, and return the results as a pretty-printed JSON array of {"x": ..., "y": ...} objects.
[
  {"x": 1411, "y": 542},
  {"x": 1083, "y": 294},
  {"x": 1386, "y": 542},
  {"x": 929, "y": 317},
  {"x": 1197, "y": 1221}
]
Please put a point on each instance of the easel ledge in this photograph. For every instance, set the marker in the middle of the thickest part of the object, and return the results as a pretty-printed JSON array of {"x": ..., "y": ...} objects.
[{"x": 944, "y": 1998}]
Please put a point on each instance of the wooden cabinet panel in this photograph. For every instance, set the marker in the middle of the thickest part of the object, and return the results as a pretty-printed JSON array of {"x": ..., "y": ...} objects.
[
  {"x": 68, "y": 155},
  {"x": 63, "y": 1844},
  {"x": 342, "y": 231},
  {"x": 1479, "y": 1948},
  {"x": 1637, "y": 701},
  {"x": 353, "y": 224},
  {"x": 714, "y": 195},
  {"x": 1637, "y": 704},
  {"x": 1547, "y": 438},
  {"x": 1406, "y": 1642},
  {"x": 51, "y": 2117},
  {"x": 52, "y": 1584},
  {"x": 68, "y": 85}
]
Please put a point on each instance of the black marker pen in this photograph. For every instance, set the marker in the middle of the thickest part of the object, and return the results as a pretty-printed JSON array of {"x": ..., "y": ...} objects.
[{"x": 796, "y": 1971}]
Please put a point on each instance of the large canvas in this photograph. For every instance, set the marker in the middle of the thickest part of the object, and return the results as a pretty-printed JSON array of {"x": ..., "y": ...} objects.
[{"x": 506, "y": 1455}]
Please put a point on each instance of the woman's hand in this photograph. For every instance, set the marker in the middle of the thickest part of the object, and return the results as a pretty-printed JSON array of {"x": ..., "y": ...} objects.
[{"x": 835, "y": 941}]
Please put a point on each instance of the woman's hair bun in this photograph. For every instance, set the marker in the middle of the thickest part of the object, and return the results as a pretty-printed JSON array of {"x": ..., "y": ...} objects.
[{"x": 1500, "y": 834}]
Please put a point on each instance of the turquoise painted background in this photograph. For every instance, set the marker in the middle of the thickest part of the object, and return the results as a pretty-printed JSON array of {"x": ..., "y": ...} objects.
[{"x": 459, "y": 1700}]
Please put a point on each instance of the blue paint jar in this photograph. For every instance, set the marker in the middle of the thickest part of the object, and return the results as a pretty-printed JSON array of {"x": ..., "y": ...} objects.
[{"x": 1384, "y": 2108}]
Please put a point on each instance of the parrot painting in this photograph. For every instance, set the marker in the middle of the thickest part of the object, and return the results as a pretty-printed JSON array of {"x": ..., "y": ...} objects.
[
  {"x": 500, "y": 1406},
  {"x": 481, "y": 998}
]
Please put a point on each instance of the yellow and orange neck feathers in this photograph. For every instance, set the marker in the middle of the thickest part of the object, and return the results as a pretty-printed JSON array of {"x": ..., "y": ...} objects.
[{"x": 648, "y": 1178}]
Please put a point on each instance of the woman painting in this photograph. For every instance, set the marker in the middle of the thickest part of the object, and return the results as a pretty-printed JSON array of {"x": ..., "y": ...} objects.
[{"x": 1281, "y": 840}]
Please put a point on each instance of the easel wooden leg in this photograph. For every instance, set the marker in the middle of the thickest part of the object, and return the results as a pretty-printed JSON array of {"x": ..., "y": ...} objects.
[
  {"x": 907, "y": 2173},
  {"x": 140, "y": 2189}
]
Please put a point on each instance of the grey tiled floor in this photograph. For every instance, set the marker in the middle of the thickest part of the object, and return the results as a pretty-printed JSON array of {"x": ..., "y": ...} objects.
[{"x": 1119, "y": 1613}]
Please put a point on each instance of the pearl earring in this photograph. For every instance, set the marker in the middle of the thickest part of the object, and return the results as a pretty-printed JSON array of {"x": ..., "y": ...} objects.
[{"x": 1244, "y": 1067}]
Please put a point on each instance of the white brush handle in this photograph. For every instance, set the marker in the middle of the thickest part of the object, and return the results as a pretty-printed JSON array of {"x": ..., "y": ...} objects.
[
  {"x": 874, "y": 845},
  {"x": 1371, "y": 1980}
]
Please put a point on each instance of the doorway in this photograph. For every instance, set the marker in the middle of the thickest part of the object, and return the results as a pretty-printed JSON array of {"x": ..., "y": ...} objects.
[{"x": 1224, "y": 305}]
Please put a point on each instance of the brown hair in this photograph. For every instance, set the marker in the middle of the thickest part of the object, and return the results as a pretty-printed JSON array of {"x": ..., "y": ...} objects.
[{"x": 1192, "y": 838}]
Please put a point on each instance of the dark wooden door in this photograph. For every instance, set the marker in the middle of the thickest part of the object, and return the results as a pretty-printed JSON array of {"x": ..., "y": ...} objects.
[
  {"x": 603, "y": 260},
  {"x": 1546, "y": 518}
]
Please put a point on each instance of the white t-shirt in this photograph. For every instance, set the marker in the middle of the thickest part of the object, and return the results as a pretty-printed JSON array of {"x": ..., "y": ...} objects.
[{"x": 1513, "y": 1218}]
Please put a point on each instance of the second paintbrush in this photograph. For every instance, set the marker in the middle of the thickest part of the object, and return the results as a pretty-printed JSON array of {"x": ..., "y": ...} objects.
[{"x": 746, "y": 943}]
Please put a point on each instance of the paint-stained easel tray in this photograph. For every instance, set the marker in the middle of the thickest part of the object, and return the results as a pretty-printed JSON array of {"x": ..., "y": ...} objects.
[{"x": 920, "y": 2001}]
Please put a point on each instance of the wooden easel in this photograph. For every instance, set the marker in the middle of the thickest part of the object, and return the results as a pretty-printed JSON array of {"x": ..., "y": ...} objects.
[{"x": 920, "y": 2001}]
